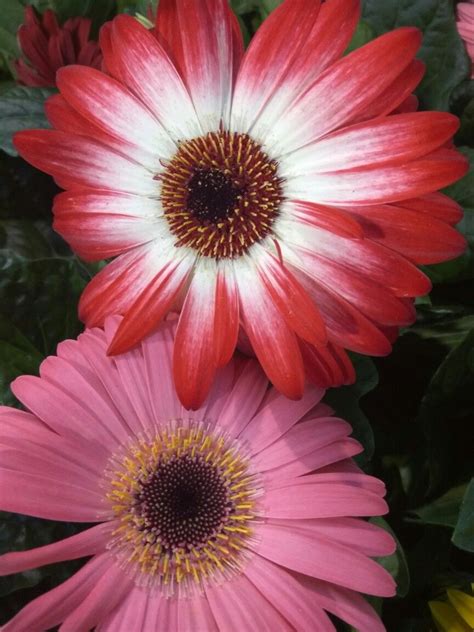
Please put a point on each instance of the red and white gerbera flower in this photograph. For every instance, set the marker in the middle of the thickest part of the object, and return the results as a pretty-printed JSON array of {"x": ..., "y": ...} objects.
[
  {"x": 244, "y": 515},
  {"x": 47, "y": 46},
  {"x": 273, "y": 194}
]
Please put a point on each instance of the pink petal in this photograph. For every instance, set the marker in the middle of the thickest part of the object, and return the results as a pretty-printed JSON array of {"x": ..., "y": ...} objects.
[
  {"x": 53, "y": 607},
  {"x": 359, "y": 535},
  {"x": 48, "y": 497},
  {"x": 131, "y": 614},
  {"x": 49, "y": 401},
  {"x": 244, "y": 400},
  {"x": 323, "y": 559},
  {"x": 289, "y": 596},
  {"x": 89, "y": 542},
  {"x": 238, "y": 605},
  {"x": 276, "y": 418},
  {"x": 108, "y": 592},
  {"x": 194, "y": 613},
  {"x": 326, "y": 455},
  {"x": 158, "y": 354},
  {"x": 345, "y": 604},
  {"x": 301, "y": 440},
  {"x": 319, "y": 500}
]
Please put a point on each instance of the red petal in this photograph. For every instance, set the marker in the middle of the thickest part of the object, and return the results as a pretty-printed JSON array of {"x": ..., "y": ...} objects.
[
  {"x": 294, "y": 304},
  {"x": 151, "y": 305},
  {"x": 274, "y": 343},
  {"x": 194, "y": 355},
  {"x": 226, "y": 325}
]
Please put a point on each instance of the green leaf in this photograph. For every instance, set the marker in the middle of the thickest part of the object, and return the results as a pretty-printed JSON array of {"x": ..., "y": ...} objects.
[
  {"x": 443, "y": 52},
  {"x": 345, "y": 401},
  {"x": 443, "y": 511},
  {"x": 363, "y": 34},
  {"x": 38, "y": 285},
  {"x": 463, "y": 536},
  {"x": 446, "y": 412},
  {"x": 396, "y": 564},
  {"x": 12, "y": 17},
  {"x": 463, "y": 192},
  {"x": 21, "y": 108},
  {"x": 267, "y": 6},
  {"x": 17, "y": 357},
  {"x": 98, "y": 12}
]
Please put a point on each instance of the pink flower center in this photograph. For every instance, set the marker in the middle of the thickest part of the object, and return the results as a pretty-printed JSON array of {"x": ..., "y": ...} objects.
[
  {"x": 221, "y": 193},
  {"x": 185, "y": 501}
]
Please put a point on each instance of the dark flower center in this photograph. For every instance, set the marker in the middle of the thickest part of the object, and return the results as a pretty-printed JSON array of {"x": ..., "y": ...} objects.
[
  {"x": 212, "y": 195},
  {"x": 221, "y": 194},
  {"x": 184, "y": 502}
]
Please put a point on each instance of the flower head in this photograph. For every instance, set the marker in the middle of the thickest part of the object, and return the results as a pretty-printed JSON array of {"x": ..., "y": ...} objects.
[
  {"x": 48, "y": 47},
  {"x": 456, "y": 614},
  {"x": 242, "y": 515},
  {"x": 465, "y": 24},
  {"x": 273, "y": 196}
]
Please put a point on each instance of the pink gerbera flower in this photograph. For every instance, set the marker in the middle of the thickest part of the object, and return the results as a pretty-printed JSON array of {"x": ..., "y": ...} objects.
[
  {"x": 48, "y": 47},
  {"x": 272, "y": 194},
  {"x": 239, "y": 516},
  {"x": 465, "y": 24}
]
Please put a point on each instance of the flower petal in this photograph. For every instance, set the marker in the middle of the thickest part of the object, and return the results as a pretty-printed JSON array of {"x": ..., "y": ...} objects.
[
  {"x": 153, "y": 303},
  {"x": 109, "y": 106},
  {"x": 137, "y": 59},
  {"x": 51, "y": 608},
  {"x": 275, "y": 345},
  {"x": 83, "y": 162},
  {"x": 287, "y": 595},
  {"x": 343, "y": 91},
  {"x": 325, "y": 560},
  {"x": 319, "y": 500},
  {"x": 373, "y": 185},
  {"x": 277, "y": 417},
  {"x": 88, "y": 542},
  {"x": 194, "y": 356},
  {"x": 204, "y": 40},
  {"x": 237, "y": 605},
  {"x": 108, "y": 592}
]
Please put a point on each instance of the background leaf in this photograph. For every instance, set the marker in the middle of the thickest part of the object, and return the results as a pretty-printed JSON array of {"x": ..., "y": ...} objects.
[
  {"x": 21, "y": 108},
  {"x": 463, "y": 536},
  {"x": 443, "y": 52}
]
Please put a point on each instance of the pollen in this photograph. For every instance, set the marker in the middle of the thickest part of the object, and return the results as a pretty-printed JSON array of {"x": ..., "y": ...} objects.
[
  {"x": 221, "y": 193},
  {"x": 186, "y": 504}
]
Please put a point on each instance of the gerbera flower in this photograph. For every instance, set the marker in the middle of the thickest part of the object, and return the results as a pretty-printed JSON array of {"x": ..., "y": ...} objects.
[
  {"x": 267, "y": 194},
  {"x": 456, "y": 614},
  {"x": 465, "y": 24},
  {"x": 48, "y": 47},
  {"x": 240, "y": 516}
]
